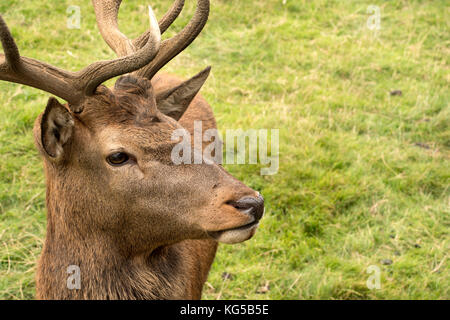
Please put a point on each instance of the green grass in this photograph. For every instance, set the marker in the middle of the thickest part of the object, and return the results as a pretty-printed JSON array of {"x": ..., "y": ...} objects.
[{"x": 364, "y": 176}]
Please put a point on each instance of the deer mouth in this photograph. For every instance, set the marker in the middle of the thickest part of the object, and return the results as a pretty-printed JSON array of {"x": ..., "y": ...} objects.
[{"x": 235, "y": 235}]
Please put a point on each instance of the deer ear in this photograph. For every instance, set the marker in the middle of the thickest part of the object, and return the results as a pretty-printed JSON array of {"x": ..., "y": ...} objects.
[
  {"x": 175, "y": 101},
  {"x": 56, "y": 128}
]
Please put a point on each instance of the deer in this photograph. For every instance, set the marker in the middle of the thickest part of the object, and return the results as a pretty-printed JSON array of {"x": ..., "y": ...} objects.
[{"x": 136, "y": 225}]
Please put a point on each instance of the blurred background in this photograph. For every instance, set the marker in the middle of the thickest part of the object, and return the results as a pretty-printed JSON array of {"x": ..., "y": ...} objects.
[{"x": 359, "y": 208}]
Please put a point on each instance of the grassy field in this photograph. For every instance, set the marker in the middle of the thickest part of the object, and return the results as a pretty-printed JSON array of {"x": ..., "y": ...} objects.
[{"x": 364, "y": 175}]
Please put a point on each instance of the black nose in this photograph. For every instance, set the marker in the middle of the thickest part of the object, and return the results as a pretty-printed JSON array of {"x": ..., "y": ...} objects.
[{"x": 251, "y": 205}]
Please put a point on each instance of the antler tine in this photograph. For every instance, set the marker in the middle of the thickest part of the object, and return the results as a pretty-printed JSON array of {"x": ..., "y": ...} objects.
[
  {"x": 71, "y": 86},
  {"x": 172, "y": 47},
  {"x": 107, "y": 12},
  {"x": 12, "y": 54},
  {"x": 170, "y": 16},
  {"x": 14, "y": 68},
  {"x": 97, "y": 73},
  {"x": 164, "y": 23}
]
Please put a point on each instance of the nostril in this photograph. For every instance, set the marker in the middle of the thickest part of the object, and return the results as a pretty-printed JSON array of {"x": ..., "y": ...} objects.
[
  {"x": 240, "y": 205},
  {"x": 250, "y": 205},
  {"x": 260, "y": 206},
  {"x": 260, "y": 199}
]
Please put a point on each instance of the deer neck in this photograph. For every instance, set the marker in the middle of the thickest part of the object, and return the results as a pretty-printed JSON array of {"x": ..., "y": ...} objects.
[{"x": 76, "y": 264}]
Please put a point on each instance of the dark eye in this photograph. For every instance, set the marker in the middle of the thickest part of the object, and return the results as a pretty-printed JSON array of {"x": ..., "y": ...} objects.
[{"x": 117, "y": 158}]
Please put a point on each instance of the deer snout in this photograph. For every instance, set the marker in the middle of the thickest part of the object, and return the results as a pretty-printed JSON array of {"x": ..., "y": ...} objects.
[{"x": 253, "y": 206}]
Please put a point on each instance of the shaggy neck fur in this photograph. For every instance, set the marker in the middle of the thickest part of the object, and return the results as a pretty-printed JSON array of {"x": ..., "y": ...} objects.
[{"x": 105, "y": 271}]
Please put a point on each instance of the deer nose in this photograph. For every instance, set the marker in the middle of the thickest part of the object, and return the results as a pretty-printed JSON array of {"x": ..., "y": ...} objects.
[{"x": 251, "y": 205}]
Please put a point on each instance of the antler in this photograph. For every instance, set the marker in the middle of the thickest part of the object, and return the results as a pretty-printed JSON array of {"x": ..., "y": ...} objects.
[
  {"x": 107, "y": 11},
  {"x": 71, "y": 86},
  {"x": 172, "y": 47}
]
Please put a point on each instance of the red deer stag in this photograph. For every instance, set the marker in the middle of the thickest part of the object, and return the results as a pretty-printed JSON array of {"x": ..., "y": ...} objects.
[{"x": 135, "y": 224}]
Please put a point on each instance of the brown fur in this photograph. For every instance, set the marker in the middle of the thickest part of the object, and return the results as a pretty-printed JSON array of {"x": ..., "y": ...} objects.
[
  {"x": 136, "y": 232},
  {"x": 137, "y": 225}
]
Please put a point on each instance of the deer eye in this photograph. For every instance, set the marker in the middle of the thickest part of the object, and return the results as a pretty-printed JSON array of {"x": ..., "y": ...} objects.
[{"x": 117, "y": 158}]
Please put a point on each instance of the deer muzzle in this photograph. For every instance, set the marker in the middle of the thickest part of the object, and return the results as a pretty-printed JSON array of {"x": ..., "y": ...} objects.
[{"x": 251, "y": 206}]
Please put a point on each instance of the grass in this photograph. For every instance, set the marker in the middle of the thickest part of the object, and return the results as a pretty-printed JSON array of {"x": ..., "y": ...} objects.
[{"x": 364, "y": 176}]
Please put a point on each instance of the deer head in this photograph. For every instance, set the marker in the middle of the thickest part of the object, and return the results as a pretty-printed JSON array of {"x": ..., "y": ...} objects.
[{"x": 107, "y": 152}]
